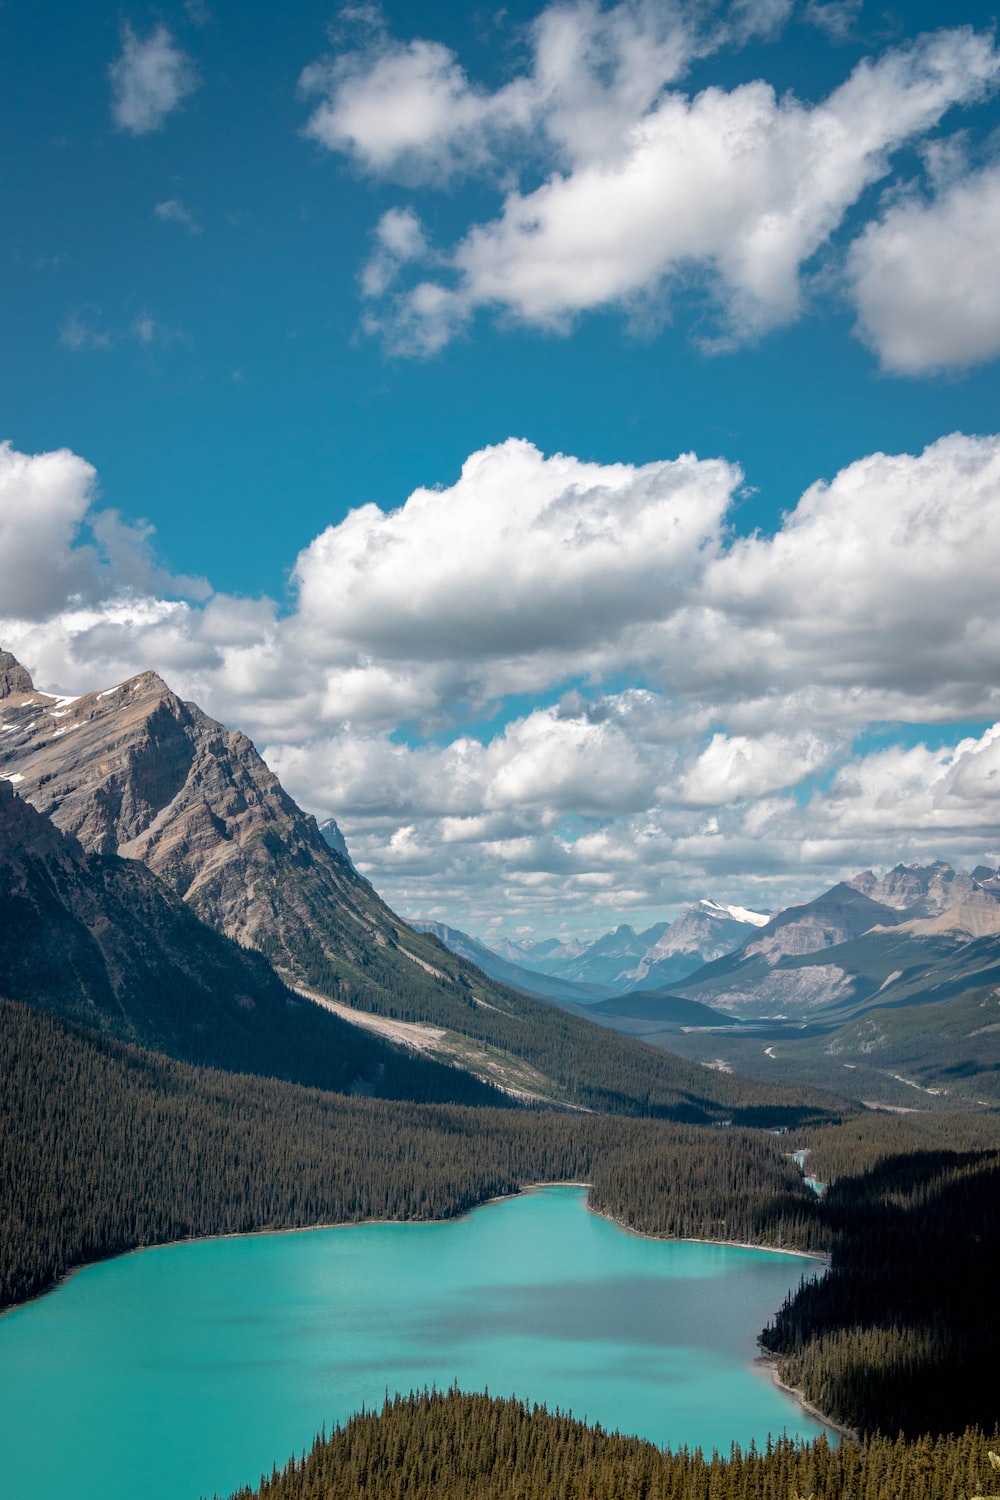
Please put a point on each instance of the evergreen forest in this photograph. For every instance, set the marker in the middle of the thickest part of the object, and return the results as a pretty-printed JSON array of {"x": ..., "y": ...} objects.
[
  {"x": 433, "y": 1446},
  {"x": 105, "y": 1147}
]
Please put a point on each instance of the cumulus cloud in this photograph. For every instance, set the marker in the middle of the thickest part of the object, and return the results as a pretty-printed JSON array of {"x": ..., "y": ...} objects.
[
  {"x": 43, "y": 500},
  {"x": 399, "y": 239},
  {"x": 881, "y": 580},
  {"x": 943, "y": 793},
  {"x": 149, "y": 80},
  {"x": 47, "y": 565},
  {"x": 644, "y": 187},
  {"x": 409, "y": 112},
  {"x": 731, "y": 768},
  {"x": 524, "y": 558},
  {"x": 924, "y": 278}
]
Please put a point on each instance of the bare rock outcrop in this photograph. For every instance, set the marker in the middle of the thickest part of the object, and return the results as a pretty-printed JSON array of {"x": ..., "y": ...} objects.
[{"x": 135, "y": 771}]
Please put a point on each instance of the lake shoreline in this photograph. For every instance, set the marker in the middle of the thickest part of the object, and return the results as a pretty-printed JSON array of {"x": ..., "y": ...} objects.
[
  {"x": 764, "y": 1360},
  {"x": 770, "y": 1363}
]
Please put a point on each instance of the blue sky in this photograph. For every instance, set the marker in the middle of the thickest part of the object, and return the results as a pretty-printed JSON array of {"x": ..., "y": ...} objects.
[{"x": 270, "y": 280}]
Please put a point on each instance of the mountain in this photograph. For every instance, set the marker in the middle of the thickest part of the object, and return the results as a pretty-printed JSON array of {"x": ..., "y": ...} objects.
[
  {"x": 531, "y": 981},
  {"x": 136, "y": 772},
  {"x": 100, "y": 939},
  {"x": 847, "y": 949},
  {"x": 335, "y": 839},
  {"x": 919, "y": 890},
  {"x": 625, "y": 960}
]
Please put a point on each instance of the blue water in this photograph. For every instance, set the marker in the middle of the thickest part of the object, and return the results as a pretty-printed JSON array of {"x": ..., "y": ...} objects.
[{"x": 189, "y": 1370}]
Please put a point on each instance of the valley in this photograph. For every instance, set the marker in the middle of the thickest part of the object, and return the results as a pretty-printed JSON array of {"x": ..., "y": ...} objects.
[{"x": 212, "y": 1025}]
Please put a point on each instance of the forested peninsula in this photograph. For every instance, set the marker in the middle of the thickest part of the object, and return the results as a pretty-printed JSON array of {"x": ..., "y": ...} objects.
[{"x": 434, "y": 1446}]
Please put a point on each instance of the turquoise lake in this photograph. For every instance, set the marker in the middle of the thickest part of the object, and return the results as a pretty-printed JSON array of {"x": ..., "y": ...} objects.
[{"x": 188, "y": 1370}]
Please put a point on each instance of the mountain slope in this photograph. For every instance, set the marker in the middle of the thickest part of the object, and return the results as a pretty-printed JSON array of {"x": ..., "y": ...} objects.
[
  {"x": 841, "y": 951},
  {"x": 99, "y": 939},
  {"x": 532, "y": 982}
]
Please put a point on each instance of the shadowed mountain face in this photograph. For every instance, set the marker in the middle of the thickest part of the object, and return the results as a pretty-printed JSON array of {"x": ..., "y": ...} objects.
[{"x": 100, "y": 939}]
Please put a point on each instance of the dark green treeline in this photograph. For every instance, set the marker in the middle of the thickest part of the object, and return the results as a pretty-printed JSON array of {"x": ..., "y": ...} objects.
[
  {"x": 105, "y": 1147},
  {"x": 474, "y": 1447},
  {"x": 901, "y": 1334}
]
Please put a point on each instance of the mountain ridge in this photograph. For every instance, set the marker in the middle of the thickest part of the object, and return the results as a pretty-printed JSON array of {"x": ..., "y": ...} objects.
[
  {"x": 102, "y": 941},
  {"x": 195, "y": 802}
]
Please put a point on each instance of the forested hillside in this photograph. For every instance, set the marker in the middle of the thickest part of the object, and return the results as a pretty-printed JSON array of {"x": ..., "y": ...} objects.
[
  {"x": 102, "y": 940},
  {"x": 900, "y": 1334},
  {"x": 104, "y": 1147},
  {"x": 435, "y": 1446}
]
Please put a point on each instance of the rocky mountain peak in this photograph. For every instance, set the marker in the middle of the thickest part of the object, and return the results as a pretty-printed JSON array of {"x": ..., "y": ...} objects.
[
  {"x": 332, "y": 835},
  {"x": 136, "y": 771},
  {"x": 918, "y": 890},
  {"x": 14, "y": 679}
]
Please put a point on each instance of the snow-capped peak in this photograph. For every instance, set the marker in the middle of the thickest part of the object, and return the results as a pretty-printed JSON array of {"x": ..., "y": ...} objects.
[{"x": 738, "y": 913}]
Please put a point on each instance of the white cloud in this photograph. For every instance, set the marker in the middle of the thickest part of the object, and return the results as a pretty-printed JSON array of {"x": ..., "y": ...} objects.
[
  {"x": 47, "y": 566},
  {"x": 898, "y": 792},
  {"x": 408, "y": 111},
  {"x": 399, "y": 238},
  {"x": 882, "y": 580},
  {"x": 524, "y": 559},
  {"x": 148, "y": 81},
  {"x": 741, "y": 186},
  {"x": 734, "y": 767},
  {"x": 82, "y": 333},
  {"x": 729, "y": 771},
  {"x": 836, "y": 17},
  {"x": 644, "y": 187},
  {"x": 924, "y": 278},
  {"x": 172, "y": 211},
  {"x": 43, "y": 500}
]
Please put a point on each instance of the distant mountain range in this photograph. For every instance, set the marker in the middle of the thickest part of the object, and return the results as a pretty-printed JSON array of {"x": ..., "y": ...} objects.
[
  {"x": 622, "y": 960},
  {"x": 876, "y": 988},
  {"x": 532, "y": 981},
  {"x": 916, "y": 932}
]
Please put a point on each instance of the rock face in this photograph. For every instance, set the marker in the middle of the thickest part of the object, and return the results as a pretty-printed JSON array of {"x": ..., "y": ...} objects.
[
  {"x": 135, "y": 771},
  {"x": 333, "y": 836},
  {"x": 99, "y": 939},
  {"x": 919, "y": 890},
  {"x": 881, "y": 940},
  {"x": 837, "y": 916},
  {"x": 13, "y": 677}
]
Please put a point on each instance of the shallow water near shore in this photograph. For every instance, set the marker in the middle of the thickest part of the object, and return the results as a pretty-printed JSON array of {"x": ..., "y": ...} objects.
[{"x": 189, "y": 1370}]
